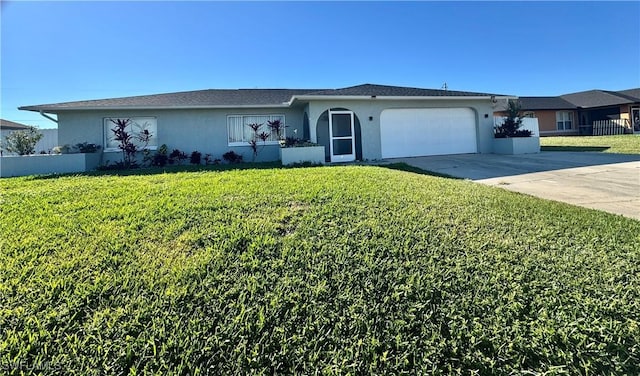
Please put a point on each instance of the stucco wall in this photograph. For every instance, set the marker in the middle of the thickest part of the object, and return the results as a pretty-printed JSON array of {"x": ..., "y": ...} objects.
[
  {"x": 188, "y": 130},
  {"x": 370, "y": 129},
  {"x": 547, "y": 122},
  {"x": 47, "y": 164}
]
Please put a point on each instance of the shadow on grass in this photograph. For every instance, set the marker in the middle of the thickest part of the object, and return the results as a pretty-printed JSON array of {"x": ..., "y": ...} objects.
[
  {"x": 405, "y": 167},
  {"x": 168, "y": 170},
  {"x": 144, "y": 171},
  {"x": 575, "y": 148}
]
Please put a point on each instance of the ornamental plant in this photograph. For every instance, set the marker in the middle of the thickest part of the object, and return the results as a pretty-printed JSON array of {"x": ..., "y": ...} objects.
[
  {"x": 257, "y": 135},
  {"x": 22, "y": 142},
  {"x": 510, "y": 127},
  {"x": 276, "y": 126},
  {"x": 125, "y": 141}
]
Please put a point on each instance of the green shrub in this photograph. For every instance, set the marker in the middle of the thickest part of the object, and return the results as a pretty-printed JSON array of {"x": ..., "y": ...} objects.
[{"x": 22, "y": 142}]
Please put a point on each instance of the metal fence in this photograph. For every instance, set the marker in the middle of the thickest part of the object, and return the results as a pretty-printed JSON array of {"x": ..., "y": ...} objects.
[{"x": 611, "y": 127}]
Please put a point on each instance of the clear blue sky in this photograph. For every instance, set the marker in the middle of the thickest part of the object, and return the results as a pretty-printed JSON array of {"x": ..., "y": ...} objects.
[{"x": 63, "y": 51}]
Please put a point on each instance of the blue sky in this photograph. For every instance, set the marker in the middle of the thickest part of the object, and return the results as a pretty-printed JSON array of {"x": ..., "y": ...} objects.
[{"x": 63, "y": 51}]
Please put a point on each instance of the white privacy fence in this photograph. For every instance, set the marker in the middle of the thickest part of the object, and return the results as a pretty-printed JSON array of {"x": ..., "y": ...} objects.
[
  {"x": 48, "y": 141},
  {"x": 530, "y": 124}
]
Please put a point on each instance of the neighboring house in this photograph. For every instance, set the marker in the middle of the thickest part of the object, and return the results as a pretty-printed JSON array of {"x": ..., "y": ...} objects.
[
  {"x": 576, "y": 112},
  {"x": 48, "y": 141},
  {"x": 365, "y": 122}
]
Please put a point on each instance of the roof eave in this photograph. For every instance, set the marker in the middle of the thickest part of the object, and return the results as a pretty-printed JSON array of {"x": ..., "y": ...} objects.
[
  {"x": 136, "y": 108},
  {"x": 381, "y": 97}
]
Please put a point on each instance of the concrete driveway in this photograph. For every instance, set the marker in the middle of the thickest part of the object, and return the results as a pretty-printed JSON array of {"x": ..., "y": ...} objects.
[{"x": 609, "y": 182}]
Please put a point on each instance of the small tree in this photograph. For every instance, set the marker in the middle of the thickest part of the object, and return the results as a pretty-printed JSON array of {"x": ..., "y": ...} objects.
[
  {"x": 510, "y": 127},
  {"x": 125, "y": 141},
  {"x": 277, "y": 127},
  {"x": 22, "y": 142},
  {"x": 256, "y": 136}
]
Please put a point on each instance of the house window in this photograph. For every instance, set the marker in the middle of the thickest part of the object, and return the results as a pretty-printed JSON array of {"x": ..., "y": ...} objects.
[
  {"x": 564, "y": 120},
  {"x": 529, "y": 114},
  {"x": 138, "y": 127},
  {"x": 240, "y": 133}
]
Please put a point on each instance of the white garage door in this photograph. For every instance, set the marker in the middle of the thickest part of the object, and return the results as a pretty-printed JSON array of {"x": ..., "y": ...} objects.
[{"x": 427, "y": 131}]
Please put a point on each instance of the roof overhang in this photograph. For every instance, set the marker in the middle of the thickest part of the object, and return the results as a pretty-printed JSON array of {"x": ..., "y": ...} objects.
[
  {"x": 294, "y": 100},
  {"x": 306, "y": 98},
  {"x": 55, "y": 110}
]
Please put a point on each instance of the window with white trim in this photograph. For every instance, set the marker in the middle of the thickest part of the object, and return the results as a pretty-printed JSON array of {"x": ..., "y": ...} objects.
[
  {"x": 240, "y": 133},
  {"x": 564, "y": 120},
  {"x": 138, "y": 127}
]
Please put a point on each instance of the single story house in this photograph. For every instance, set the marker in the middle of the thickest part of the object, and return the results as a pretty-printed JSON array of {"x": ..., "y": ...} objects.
[
  {"x": 364, "y": 122},
  {"x": 594, "y": 105},
  {"x": 7, "y": 125},
  {"x": 571, "y": 114}
]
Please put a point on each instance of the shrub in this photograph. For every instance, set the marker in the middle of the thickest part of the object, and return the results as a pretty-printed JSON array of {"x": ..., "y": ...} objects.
[
  {"x": 177, "y": 156},
  {"x": 510, "y": 127},
  {"x": 291, "y": 142},
  {"x": 195, "y": 158},
  {"x": 85, "y": 147},
  {"x": 209, "y": 160},
  {"x": 22, "y": 142},
  {"x": 61, "y": 149},
  {"x": 160, "y": 158},
  {"x": 232, "y": 157}
]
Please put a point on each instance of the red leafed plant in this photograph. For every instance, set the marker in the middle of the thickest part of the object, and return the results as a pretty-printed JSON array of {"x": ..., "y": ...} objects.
[
  {"x": 124, "y": 139},
  {"x": 276, "y": 126}
]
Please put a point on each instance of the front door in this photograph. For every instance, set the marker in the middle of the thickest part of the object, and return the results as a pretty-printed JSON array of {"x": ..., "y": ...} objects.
[{"x": 341, "y": 136}]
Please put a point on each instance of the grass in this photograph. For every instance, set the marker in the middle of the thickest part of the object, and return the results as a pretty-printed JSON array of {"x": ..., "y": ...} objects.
[
  {"x": 620, "y": 144},
  {"x": 328, "y": 270}
]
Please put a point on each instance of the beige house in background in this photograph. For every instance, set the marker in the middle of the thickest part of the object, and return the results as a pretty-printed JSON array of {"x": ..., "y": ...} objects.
[{"x": 575, "y": 113}]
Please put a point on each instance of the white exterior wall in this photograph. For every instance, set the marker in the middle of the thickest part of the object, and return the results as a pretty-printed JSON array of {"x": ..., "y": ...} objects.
[
  {"x": 47, "y": 164},
  {"x": 370, "y": 136}
]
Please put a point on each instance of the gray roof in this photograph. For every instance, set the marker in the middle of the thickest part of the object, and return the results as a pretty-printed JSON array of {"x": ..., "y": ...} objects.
[
  {"x": 596, "y": 98},
  {"x": 198, "y": 98},
  {"x": 241, "y": 98},
  {"x": 11, "y": 125},
  {"x": 631, "y": 94},
  {"x": 583, "y": 99},
  {"x": 398, "y": 91},
  {"x": 545, "y": 103}
]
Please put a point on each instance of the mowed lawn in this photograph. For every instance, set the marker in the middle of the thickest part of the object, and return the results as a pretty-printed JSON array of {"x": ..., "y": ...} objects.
[
  {"x": 327, "y": 270},
  {"x": 621, "y": 144}
]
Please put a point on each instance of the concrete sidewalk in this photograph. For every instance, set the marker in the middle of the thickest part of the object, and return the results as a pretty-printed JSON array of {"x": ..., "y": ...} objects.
[{"x": 608, "y": 182}]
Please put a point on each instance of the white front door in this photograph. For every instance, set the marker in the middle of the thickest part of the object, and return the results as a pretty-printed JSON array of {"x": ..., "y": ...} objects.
[{"x": 342, "y": 143}]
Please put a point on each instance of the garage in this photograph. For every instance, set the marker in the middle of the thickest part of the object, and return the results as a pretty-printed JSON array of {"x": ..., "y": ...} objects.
[{"x": 416, "y": 132}]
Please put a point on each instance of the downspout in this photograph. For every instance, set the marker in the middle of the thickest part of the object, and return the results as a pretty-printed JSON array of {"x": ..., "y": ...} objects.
[{"x": 48, "y": 117}]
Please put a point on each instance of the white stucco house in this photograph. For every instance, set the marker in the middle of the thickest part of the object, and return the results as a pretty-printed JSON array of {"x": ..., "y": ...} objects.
[{"x": 364, "y": 122}]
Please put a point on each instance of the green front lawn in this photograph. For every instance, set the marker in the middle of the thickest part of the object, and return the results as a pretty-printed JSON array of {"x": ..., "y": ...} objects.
[
  {"x": 621, "y": 144},
  {"x": 328, "y": 270}
]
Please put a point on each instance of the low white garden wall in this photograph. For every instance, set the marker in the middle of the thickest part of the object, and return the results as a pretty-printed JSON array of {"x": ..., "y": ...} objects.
[
  {"x": 516, "y": 145},
  {"x": 48, "y": 164},
  {"x": 310, "y": 154}
]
